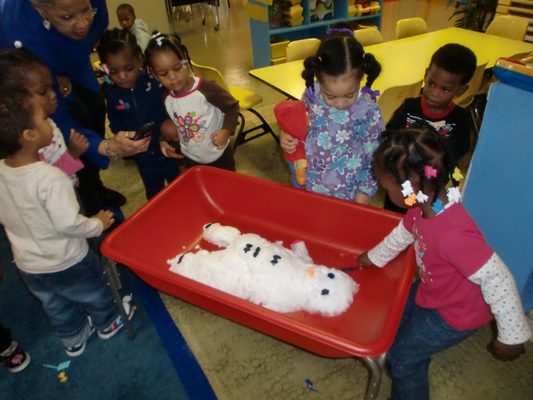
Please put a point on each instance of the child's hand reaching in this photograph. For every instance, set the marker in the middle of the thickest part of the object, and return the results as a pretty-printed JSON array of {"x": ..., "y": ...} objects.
[
  {"x": 220, "y": 138},
  {"x": 77, "y": 144},
  {"x": 363, "y": 261},
  {"x": 106, "y": 217},
  {"x": 168, "y": 150},
  {"x": 505, "y": 352},
  {"x": 287, "y": 142}
]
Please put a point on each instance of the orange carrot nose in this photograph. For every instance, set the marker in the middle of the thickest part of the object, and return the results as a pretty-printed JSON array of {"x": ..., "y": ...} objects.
[{"x": 300, "y": 167}]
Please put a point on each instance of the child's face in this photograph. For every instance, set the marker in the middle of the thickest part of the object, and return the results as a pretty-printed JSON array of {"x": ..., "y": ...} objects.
[
  {"x": 38, "y": 82},
  {"x": 125, "y": 18},
  {"x": 389, "y": 184},
  {"x": 124, "y": 68},
  {"x": 172, "y": 72},
  {"x": 41, "y": 128},
  {"x": 340, "y": 91},
  {"x": 440, "y": 87}
]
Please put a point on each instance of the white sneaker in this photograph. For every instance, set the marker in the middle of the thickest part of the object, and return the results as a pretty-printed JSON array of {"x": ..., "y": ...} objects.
[{"x": 117, "y": 324}]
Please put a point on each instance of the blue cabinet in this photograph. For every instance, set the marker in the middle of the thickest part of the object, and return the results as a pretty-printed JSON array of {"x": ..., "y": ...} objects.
[
  {"x": 261, "y": 31},
  {"x": 499, "y": 189}
]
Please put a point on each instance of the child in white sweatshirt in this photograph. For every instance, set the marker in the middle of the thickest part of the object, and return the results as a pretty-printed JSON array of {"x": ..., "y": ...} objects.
[{"x": 48, "y": 235}]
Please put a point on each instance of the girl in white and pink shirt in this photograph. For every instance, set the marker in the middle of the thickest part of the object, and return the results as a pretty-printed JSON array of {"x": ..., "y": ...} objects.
[{"x": 462, "y": 284}]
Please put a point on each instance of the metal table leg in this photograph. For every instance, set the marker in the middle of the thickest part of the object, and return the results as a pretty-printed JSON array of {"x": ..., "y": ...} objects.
[
  {"x": 113, "y": 280},
  {"x": 377, "y": 366}
]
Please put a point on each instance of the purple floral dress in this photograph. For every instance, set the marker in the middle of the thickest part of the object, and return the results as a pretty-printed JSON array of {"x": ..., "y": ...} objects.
[{"x": 340, "y": 145}]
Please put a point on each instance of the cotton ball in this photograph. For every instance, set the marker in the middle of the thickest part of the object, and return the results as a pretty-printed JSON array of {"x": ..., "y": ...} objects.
[
  {"x": 220, "y": 235},
  {"x": 329, "y": 290},
  {"x": 267, "y": 273}
]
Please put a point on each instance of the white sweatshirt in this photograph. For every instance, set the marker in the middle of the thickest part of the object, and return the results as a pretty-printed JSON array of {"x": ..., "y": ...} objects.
[{"x": 40, "y": 212}]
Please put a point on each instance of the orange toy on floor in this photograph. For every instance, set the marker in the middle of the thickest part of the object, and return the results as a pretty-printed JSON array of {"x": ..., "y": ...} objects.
[{"x": 292, "y": 118}]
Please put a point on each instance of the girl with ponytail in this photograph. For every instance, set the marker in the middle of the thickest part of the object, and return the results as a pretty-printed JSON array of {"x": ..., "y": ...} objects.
[{"x": 344, "y": 120}]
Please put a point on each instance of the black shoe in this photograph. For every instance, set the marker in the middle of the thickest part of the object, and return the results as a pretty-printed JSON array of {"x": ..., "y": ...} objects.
[
  {"x": 111, "y": 197},
  {"x": 14, "y": 358}
]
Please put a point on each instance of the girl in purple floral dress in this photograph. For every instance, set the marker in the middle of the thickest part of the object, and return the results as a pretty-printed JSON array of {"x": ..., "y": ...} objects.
[{"x": 344, "y": 121}]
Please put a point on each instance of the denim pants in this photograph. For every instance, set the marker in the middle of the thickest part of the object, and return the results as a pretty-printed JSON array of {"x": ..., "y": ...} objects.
[
  {"x": 155, "y": 169},
  {"x": 422, "y": 333},
  {"x": 69, "y": 296}
]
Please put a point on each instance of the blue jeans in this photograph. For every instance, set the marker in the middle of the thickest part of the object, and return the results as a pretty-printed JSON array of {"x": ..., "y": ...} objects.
[
  {"x": 422, "y": 333},
  {"x": 155, "y": 169},
  {"x": 69, "y": 296}
]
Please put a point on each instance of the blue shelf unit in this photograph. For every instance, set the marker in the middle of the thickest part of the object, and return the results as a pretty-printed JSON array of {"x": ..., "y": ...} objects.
[{"x": 261, "y": 31}]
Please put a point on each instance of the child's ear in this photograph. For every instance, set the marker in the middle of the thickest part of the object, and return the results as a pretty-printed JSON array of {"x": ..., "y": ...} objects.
[
  {"x": 28, "y": 136},
  {"x": 462, "y": 90}
]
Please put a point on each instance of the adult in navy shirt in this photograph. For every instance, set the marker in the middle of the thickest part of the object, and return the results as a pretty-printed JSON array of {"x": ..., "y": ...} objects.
[{"x": 63, "y": 33}]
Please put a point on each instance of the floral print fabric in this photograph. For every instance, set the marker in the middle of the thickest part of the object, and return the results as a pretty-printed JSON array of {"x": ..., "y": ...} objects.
[{"x": 340, "y": 145}]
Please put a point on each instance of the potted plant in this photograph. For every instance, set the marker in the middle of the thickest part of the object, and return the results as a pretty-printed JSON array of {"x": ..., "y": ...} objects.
[{"x": 475, "y": 15}]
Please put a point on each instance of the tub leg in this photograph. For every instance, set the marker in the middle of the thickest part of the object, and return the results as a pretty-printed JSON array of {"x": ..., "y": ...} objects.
[
  {"x": 376, "y": 365},
  {"x": 113, "y": 280}
]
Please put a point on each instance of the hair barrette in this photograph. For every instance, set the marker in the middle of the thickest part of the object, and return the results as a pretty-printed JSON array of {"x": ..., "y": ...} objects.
[
  {"x": 421, "y": 197},
  {"x": 407, "y": 188},
  {"x": 453, "y": 194},
  {"x": 372, "y": 93},
  {"x": 457, "y": 175},
  {"x": 105, "y": 68},
  {"x": 410, "y": 200},
  {"x": 430, "y": 172},
  {"x": 345, "y": 31}
]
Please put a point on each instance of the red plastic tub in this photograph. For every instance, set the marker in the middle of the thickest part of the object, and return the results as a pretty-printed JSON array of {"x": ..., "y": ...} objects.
[{"x": 335, "y": 233}]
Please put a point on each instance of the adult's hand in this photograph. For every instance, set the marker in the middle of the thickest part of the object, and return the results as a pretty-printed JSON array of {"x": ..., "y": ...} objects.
[{"x": 121, "y": 145}]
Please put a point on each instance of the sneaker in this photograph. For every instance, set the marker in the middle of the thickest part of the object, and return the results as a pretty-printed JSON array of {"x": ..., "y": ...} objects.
[
  {"x": 78, "y": 349},
  {"x": 14, "y": 358},
  {"x": 117, "y": 324}
]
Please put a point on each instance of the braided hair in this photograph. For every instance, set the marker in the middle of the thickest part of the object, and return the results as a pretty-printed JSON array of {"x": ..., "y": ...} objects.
[
  {"x": 408, "y": 151},
  {"x": 164, "y": 42},
  {"x": 115, "y": 40},
  {"x": 339, "y": 52},
  {"x": 16, "y": 64},
  {"x": 16, "y": 113}
]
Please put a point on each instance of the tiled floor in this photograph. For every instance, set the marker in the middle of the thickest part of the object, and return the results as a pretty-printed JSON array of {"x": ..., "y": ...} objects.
[{"x": 242, "y": 364}]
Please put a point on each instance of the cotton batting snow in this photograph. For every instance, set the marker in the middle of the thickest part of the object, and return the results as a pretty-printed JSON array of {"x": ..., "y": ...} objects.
[{"x": 266, "y": 273}]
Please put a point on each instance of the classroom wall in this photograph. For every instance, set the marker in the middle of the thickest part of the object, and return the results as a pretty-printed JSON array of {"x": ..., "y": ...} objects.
[{"x": 152, "y": 12}]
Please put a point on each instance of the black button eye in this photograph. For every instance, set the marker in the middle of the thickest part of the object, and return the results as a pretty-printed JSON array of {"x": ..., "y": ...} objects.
[
  {"x": 275, "y": 259},
  {"x": 325, "y": 292},
  {"x": 331, "y": 275}
]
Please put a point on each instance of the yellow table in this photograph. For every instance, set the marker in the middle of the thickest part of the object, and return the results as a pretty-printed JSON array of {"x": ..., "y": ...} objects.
[{"x": 403, "y": 61}]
